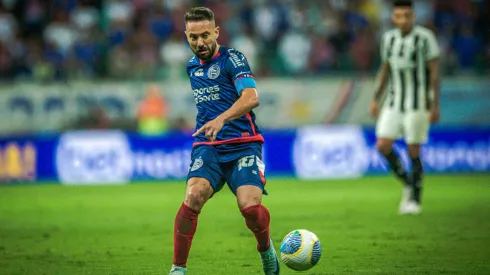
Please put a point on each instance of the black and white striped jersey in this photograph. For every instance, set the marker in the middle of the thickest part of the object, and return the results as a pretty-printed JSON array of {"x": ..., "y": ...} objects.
[{"x": 409, "y": 75}]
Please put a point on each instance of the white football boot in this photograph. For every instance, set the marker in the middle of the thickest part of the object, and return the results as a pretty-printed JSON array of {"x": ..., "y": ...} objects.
[
  {"x": 177, "y": 270},
  {"x": 270, "y": 261},
  {"x": 406, "y": 199},
  {"x": 413, "y": 208}
]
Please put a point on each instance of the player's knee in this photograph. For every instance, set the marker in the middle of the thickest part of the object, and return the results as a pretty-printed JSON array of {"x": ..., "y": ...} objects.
[
  {"x": 195, "y": 198},
  {"x": 249, "y": 201},
  {"x": 197, "y": 193},
  {"x": 248, "y": 196},
  {"x": 384, "y": 146}
]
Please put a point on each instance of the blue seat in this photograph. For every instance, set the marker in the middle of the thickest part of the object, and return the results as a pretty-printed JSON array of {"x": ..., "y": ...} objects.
[{"x": 21, "y": 103}]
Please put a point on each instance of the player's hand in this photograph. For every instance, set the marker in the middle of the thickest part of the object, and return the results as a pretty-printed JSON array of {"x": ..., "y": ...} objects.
[
  {"x": 435, "y": 114},
  {"x": 211, "y": 129},
  {"x": 374, "y": 109}
]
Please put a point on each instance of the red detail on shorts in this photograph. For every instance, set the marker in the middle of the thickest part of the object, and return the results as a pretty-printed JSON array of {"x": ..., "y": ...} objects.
[
  {"x": 262, "y": 177},
  {"x": 245, "y": 134},
  {"x": 256, "y": 138}
]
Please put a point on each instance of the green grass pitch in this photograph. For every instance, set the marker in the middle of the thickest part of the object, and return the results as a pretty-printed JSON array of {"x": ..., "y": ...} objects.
[{"x": 53, "y": 229}]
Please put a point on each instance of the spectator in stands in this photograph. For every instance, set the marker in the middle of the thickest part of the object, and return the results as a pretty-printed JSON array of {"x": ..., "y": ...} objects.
[
  {"x": 142, "y": 38},
  {"x": 145, "y": 52},
  {"x": 120, "y": 62},
  {"x": 246, "y": 43},
  {"x": 5, "y": 62},
  {"x": 8, "y": 25},
  {"x": 174, "y": 52},
  {"x": 467, "y": 47},
  {"x": 361, "y": 51},
  {"x": 294, "y": 49},
  {"x": 60, "y": 33}
]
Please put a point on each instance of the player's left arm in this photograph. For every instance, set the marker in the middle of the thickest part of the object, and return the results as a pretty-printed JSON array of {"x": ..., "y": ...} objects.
[
  {"x": 432, "y": 56},
  {"x": 248, "y": 99},
  {"x": 435, "y": 85}
]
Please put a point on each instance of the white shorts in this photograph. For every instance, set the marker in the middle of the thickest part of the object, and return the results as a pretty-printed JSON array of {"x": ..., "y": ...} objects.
[{"x": 414, "y": 126}]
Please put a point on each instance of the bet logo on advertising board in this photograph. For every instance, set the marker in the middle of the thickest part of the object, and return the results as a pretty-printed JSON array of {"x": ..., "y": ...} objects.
[
  {"x": 94, "y": 158},
  {"x": 330, "y": 152}
]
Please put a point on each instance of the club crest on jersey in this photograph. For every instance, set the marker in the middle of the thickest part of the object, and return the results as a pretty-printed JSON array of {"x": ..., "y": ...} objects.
[
  {"x": 213, "y": 71},
  {"x": 199, "y": 73},
  {"x": 197, "y": 164}
]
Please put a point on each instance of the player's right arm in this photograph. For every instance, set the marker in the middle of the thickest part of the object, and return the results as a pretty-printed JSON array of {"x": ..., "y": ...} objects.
[{"x": 381, "y": 80}]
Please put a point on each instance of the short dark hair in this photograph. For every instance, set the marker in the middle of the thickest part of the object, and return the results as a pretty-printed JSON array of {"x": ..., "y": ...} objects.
[
  {"x": 199, "y": 14},
  {"x": 402, "y": 4}
]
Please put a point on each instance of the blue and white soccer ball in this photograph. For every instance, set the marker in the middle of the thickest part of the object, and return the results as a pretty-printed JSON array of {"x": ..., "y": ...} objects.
[{"x": 300, "y": 250}]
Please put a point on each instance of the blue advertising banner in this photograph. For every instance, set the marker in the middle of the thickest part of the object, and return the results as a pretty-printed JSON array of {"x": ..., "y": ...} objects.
[
  {"x": 312, "y": 152},
  {"x": 114, "y": 157},
  {"x": 350, "y": 151},
  {"x": 447, "y": 150}
]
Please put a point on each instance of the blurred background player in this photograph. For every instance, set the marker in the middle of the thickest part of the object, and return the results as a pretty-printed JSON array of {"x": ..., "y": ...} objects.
[
  {"x": 410, "y": 59},
  {"x": 228, "y": 143}
]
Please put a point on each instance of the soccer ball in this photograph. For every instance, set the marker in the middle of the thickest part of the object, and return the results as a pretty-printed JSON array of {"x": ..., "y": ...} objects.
[{"x": 300, "y": 250}]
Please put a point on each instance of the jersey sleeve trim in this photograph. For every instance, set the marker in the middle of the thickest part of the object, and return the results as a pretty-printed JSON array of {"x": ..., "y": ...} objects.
[{"x": 244, "y": 75}]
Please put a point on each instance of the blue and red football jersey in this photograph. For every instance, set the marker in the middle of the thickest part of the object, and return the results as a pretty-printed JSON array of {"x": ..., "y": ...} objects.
[{"x": 216, "y": 85}]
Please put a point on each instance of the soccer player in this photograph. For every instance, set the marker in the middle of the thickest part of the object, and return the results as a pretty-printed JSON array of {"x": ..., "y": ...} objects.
[
  {"x": 409, "y": 56},
  {"x": 228, "y": 143}
]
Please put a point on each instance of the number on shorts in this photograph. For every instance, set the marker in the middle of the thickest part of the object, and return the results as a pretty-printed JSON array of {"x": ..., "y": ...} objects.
[{"x": 246, "y": 162}]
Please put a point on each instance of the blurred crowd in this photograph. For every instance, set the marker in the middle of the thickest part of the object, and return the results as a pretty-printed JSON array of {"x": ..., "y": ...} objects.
[{"x": 46, "y": 40}]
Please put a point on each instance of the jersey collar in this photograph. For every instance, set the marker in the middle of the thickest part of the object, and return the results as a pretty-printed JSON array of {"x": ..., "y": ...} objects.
[{"x": 408, "y": 34}]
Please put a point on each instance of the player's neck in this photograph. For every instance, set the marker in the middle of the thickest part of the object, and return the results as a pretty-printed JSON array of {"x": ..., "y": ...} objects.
[
  {"x": 215, "y": 53},
  {"x": 405, "y": 33}
]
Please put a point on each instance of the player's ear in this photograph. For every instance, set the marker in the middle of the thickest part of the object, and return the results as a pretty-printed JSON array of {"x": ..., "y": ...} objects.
[{"x": 216, "y": 31}]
